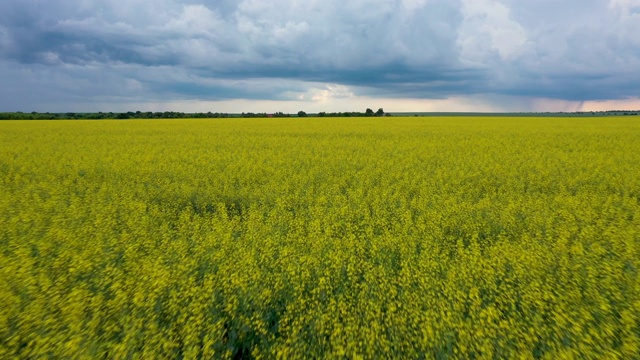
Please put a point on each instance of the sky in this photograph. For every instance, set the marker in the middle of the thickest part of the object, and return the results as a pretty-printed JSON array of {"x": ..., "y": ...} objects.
[{"x": 319, "y": 55}]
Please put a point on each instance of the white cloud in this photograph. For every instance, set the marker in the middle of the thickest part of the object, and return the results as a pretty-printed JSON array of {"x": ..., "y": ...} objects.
[
  {"x": 324, "y": 93},
  {"x": 5, "y": 39},
  {"x": 195, "y": 20},
  {"x": 488, "y": 29},
  {"x": 626, "y": 6},
  {"x": 134, "y": 85},
  {"x": 412, "y": 5}
]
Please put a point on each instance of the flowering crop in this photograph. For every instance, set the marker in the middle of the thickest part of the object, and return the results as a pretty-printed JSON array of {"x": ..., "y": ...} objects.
[{"x": 320, "y": 238}]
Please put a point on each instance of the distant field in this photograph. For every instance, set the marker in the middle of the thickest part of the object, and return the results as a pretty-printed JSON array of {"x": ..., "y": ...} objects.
[
  {"x": 583, "y": 114},
  {"x": 316, "y": 238}
]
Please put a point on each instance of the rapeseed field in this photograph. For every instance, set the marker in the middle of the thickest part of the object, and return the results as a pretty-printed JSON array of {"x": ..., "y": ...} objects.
[{"x": 369, "y": 238}]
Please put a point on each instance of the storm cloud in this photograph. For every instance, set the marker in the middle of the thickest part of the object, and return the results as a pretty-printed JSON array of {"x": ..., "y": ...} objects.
[{"x": 78, "y": 53}]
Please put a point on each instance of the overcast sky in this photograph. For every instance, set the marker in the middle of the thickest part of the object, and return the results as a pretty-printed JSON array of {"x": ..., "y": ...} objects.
[{"x": 319, "y": 55}]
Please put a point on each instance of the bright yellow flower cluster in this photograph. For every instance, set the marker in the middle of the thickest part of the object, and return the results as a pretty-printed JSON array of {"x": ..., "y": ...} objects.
[{"x": 321, "y": 238}]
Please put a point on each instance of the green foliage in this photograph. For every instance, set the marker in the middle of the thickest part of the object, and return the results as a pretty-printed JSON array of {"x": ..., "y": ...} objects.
[
  {"x": 101, "y": 116},
  {"x": 320, "y": 238}
]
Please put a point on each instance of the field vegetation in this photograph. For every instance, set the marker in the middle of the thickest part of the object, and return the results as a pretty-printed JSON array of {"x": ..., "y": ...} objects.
[{"x": 320, "y": 238}]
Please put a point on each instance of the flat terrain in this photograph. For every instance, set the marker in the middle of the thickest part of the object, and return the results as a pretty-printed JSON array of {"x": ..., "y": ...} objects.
[{"x": 313, "y": 238}]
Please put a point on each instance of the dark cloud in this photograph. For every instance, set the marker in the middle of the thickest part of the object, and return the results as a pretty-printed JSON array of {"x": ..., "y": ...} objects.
[{"x": 254, "y": 49}]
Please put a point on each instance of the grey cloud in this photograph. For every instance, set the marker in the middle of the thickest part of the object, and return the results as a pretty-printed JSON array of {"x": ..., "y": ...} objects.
[
  {"x": 316, "y": 34},
  {"x": 212, "y": 49}
]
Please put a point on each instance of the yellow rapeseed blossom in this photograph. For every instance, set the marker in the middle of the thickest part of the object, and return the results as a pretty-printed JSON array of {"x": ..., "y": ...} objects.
[{"x": 370, "y": 238}]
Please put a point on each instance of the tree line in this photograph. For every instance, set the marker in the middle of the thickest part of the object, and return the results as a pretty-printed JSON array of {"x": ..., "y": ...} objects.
[
  {"x": 368, "y": 112},
  {"x": 109, "y": 115},
  {"x": 174, "y": 115}
]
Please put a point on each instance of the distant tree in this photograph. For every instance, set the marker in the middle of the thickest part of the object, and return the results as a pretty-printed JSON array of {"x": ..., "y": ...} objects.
[
  {"x": 380, "y": 112},
  {"x": 302, "y": 114},
  {"x": 369, "y": 112}
]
